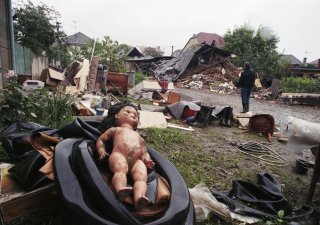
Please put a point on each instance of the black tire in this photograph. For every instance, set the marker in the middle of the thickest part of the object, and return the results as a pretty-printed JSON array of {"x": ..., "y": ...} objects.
[{"x": 88, "y": 196}]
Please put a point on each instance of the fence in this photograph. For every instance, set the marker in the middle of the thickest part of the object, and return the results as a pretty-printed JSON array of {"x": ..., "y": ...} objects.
[{"x": 27, "y": 63}]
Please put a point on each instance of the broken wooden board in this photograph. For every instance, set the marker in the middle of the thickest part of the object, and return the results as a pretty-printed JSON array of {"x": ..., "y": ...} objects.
[
  {"x": 149, "y": 85},
  {"x": 152, "y": 119},
  {"x": 300, "y": 98},
  {"x": 147, "y": 119},
  {"x": 172, "y": 125},
  {"x": 81, "y": 77},
  {"x": 87, "y": 104},
  {"x": 18, "y": 207}
]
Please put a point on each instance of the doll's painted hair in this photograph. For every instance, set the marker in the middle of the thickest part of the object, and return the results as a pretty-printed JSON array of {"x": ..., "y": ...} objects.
[{"x": 110, "y": 120}]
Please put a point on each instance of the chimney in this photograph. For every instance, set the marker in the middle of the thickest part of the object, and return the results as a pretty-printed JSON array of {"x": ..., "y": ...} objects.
[{"x": 305, "y": 61}]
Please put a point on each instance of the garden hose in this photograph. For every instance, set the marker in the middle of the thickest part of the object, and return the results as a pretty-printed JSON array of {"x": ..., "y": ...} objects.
[{"x": 262, "y": 152}]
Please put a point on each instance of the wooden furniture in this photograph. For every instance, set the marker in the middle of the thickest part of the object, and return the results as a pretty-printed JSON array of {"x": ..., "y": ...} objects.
[
  {"x": 173, "y": 97},
  {"x": 262, "y": 123},
  {"x": 315, "y": 177},
  {"x": 117, "y": 83}
]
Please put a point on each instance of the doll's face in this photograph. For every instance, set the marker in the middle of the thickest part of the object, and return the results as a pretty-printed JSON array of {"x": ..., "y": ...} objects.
[{"x": 129, "y": 115}]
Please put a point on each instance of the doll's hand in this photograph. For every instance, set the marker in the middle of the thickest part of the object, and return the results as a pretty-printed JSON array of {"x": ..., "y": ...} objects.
[
  {"x": 149, "y": 163},
  {"x": 102, "y": 154}
]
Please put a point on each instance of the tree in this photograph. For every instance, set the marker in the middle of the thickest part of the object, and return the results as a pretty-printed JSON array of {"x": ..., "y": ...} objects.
[
  {"x": 153, "y": 52},
  {"x": 257, "y": 47},
  {"x": 33, "y": 28},
  {"x": 108, "y": 50}
]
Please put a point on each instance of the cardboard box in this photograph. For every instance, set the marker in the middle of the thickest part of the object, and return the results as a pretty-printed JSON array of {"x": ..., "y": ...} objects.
[{"x": 20, "y": 207}]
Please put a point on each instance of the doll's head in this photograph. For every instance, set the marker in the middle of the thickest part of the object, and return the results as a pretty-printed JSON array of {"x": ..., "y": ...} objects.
[{"x": 111, "y": 119}]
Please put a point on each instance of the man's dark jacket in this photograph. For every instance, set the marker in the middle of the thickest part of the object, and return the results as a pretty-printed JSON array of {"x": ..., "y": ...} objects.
[{"x": 247, "y": 78}]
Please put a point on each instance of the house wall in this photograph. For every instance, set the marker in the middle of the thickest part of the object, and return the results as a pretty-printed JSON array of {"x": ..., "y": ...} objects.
[
  {"x": 308, "y": 74},
  {"x": 4, "y": 41}
]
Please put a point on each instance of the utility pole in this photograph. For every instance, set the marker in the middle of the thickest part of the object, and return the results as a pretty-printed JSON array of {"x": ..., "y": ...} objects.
[
  {"x": 172, "y": 49},
  {"x": 58, "y": 62}
]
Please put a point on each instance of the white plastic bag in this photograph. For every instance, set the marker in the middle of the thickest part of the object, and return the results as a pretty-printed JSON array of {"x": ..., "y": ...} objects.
[{"x": 301, "y": 130}]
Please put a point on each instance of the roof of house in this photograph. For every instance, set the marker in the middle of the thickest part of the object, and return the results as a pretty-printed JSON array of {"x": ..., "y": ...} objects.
[
  {"x": 135, "y": 52},
  {"x": 315, "y": 62},
  {"x": 209, "y": 38},
  {"x": 77, "y": 39},
  {"x": 291, "y": 59},
  {"x": 179, "y": 65}
]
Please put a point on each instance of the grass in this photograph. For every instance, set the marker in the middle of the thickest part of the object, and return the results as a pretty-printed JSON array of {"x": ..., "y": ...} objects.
[{"x": 209, "y": 155}]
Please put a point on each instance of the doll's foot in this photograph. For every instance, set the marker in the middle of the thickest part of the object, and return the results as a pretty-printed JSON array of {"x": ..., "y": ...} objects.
[
  {"x": 124, "y": 192},
  {"x": 143, "y": 202}
]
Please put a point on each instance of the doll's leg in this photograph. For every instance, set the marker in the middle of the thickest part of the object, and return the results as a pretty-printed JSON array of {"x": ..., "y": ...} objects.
[
  {"x": 139, "y": 175},
  {"x": 119, "y": 166}
]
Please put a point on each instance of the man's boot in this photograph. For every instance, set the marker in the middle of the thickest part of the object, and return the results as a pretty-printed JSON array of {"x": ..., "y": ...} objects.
[
  {"x": 223, "y": 116},
  {"x": 228, "y": 117},
  {"x": 244, "y": 108},
  {"x": 202, "y": 117},
  {"x": 247, "y": 107}
]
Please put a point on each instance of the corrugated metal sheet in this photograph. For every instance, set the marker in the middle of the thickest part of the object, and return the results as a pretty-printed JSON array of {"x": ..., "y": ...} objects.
[
  {"x": 177, "y": 65},
  {"x": 23, "y": 60}
]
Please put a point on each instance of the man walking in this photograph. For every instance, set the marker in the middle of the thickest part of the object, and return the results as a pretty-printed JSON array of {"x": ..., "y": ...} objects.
[{"x": 246, "y": 83}]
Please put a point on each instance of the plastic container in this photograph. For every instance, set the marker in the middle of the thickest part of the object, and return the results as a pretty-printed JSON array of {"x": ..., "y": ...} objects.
[
  {"x": 95, "y": 101},
  {"x": 302, "y": 166},
  {"x": 99, "y": 111}
]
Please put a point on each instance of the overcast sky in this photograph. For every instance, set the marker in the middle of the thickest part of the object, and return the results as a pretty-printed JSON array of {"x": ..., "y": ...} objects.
[{"x": 169, "y": 23}]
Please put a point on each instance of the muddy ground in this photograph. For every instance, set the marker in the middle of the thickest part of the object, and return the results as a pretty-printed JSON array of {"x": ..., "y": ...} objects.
[
  {"x": 220, "y": 140},
  {"x": 279, "y": 110}
]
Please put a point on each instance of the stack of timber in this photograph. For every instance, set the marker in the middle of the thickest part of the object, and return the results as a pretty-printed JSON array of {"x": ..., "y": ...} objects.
[{"x": 300, "y": 98}]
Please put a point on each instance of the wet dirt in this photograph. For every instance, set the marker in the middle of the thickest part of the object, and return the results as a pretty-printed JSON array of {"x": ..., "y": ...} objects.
[
  {"x": 280, "y": 111},
  {"x": 221, "y": 141}
]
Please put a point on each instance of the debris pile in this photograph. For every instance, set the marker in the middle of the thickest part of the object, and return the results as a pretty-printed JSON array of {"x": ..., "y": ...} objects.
[{"x": 211, "y": 62}]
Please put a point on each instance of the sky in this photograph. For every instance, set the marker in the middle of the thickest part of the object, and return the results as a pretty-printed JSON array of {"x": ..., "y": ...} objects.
[{"x": 170, "y": 23}]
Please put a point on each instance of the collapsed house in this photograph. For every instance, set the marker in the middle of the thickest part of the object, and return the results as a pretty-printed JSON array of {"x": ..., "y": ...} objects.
[{"x": 197, "y": 59}]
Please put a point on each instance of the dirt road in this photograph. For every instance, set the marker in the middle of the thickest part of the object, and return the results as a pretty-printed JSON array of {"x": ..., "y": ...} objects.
[
  {"x": 217, "y": 140},
  {"x": 279, "y": 111}
]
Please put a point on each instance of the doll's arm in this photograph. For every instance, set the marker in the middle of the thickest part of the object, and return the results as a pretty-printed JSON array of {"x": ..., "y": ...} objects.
[
  {"x": 101, "y": 148},
  {"x": 145, "y": 157}
]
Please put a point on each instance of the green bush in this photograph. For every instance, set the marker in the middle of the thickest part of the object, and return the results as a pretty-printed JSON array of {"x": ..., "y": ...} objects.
[
  {"x": 300, "y": 85},
  {"x": 52, "y": 109},
  {"x": 139, "y": 77}
]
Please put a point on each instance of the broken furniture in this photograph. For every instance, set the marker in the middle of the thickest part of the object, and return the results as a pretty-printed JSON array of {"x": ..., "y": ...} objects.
[
  {"x": 262, "y": 123},
  {"x": 161, "y": 99},
  {"x": 173, "y": 97},
  {"x": 51, "y": 77},
  {"x": 117, "y": 83},
  {"x": 315, "y": 176}
]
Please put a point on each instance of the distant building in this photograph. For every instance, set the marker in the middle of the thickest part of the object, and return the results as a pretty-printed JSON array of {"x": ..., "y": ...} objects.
[
  {"x": 292, "y": 60},
  {"x": 301, "y": 69},
  {"x": 133, "y": 52},
  {"x": 76, "y": 40},
  {"x": 211, "y": 39},
  {"x": 316, "y": 63}
]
